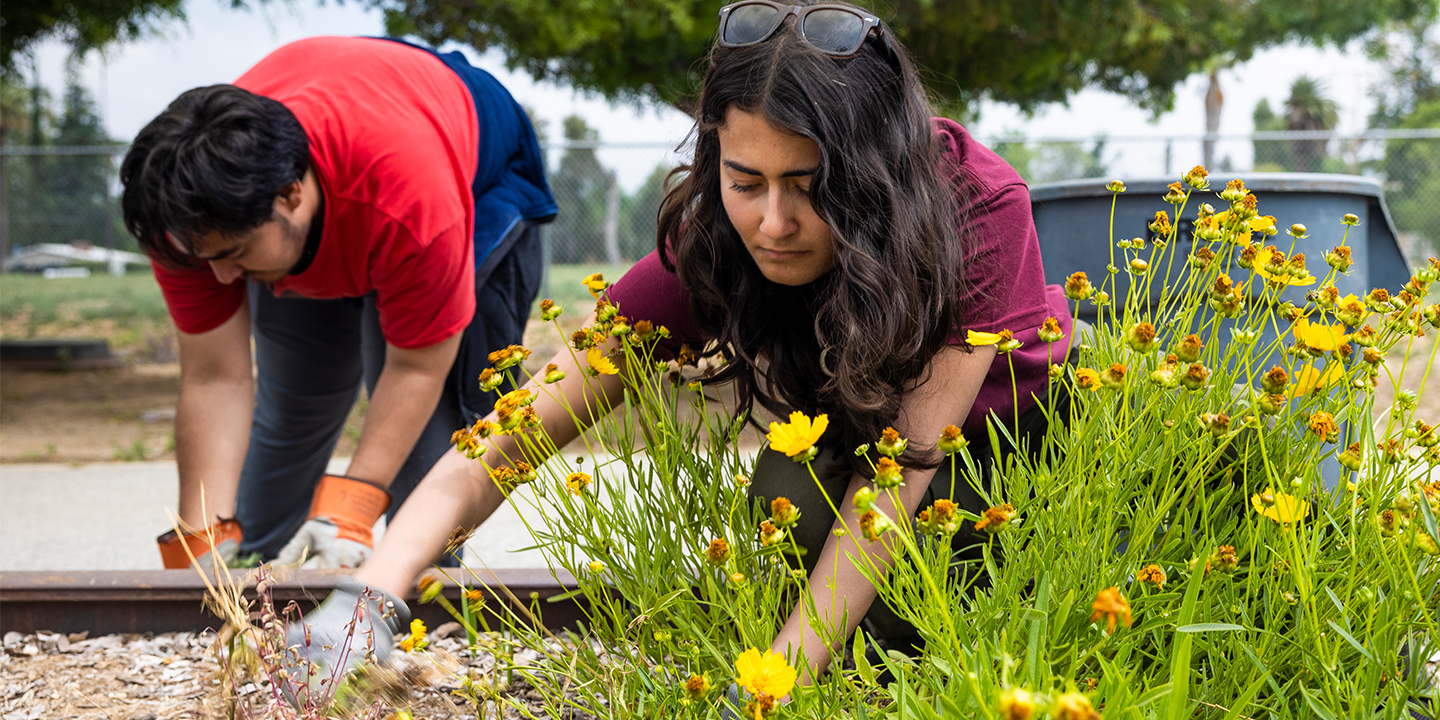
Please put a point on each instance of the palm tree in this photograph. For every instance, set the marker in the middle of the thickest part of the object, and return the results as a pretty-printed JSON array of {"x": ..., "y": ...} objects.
[{"x": 1309, "y": 109}]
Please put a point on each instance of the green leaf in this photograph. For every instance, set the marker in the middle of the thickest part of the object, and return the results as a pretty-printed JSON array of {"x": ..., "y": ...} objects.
[
  {"x": 1320, "y": 710},
  {"x": 1351, "y": 639},
  {"x": 1180, "y": 660},
  {"x": 1208, "y": 627},
  {"x": 867, "y": 672}
]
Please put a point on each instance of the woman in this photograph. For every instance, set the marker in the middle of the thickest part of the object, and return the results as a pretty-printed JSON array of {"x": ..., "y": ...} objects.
[{"x": 836, "y": 244}]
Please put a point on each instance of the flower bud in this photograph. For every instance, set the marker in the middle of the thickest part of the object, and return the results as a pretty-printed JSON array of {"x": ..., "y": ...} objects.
[
  {"x": 1270, "y": 404},
  {"x": 1352, "y": 457},
  {"x": 1115, "y": 186},
  {"x": 1339, "y": 258},
  {"x": 873, "y": 525},
  {"x": 1350, "y": 219},
  {"x": 1174, "y": 193},
  {"x": 782, "y": 513},
  {"x": 1138, "y": 267},
  {"x": 1141, "y": 337},
  {"x": 1190, "y": 348},
  {"x": 1233, "y": 192},
  {"x": 864, "y": 498},
  {"x": 891, "y": 444},
  {"x": 1197, "y": 178},
  {"x": 489, "y": 379},
  {"x": 549, "y": 310},
  {"x": 1161, "y": 224},
  {"x": 888, "y": 474},
  {"x": 1078, "y": 287},
  {"x": 1017, "y": 704},
  {"x": 1050, "y": 330},
  {"x": 553, "y": 373},
  {"x": 1297, "y": 231},
  {"x": 1114, "y": 376},
  {"x": 1195, "y": 377},
  {"x": 952, "y": 440}
]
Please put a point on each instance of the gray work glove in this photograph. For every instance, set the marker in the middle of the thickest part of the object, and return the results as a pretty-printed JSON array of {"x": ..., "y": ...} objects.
[
  {"x": 354, "y": 625},
  {"x": 319, "y": 542}
]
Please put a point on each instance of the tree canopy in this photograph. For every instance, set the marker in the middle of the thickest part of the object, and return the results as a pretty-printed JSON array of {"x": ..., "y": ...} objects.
[
  {"x": 84, "y": 25},
  {"x": 1026, "y": 53}
]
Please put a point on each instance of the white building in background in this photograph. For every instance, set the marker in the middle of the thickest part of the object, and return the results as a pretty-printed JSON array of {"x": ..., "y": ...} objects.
[{"x": 47, "y": 257}]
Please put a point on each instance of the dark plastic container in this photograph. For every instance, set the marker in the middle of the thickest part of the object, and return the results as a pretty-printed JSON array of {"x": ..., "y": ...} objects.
[{"x": 1073, "y": 221}]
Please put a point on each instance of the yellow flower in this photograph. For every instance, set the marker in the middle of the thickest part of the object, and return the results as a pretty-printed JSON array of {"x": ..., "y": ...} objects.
[
  {"x": 599, "y": 363},
  {"x": 1004, "y": 341},
  {"x": 416, "y": 640},
  {"x": 1263, "y": 256},
  {"x": 1153, "y": 574},
  {"x": 1112, "y": 606},
  {"x": 797, "y": 437},
  {"x": 696, "y": 687},
  {"x": 1073, "y": 706},
  {"x": 576, "y": 482},
  {"x": 1308, "y": 379},
  {"x": 1320, "y": 336},
  {"x": 595, "y": 283},
  {"x": 769, "y": 674},
  {"x": 1016, "y": 704},
  {"x": 1087, "y": 379},
  {"x": 718, "y": 552},
  {"x": 996, "y": 518},
  {"x": 1280, "y": 507}
]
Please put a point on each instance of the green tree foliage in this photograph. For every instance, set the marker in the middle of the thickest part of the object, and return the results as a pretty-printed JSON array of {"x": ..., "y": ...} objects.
[
  {"x": 638, "y": 215},
  {"x": 1271, "y": 155},
  {"x": 1410, "y": 54},
  {"x": 1050, "y": 162},
  {"x": 84, "y": 25},
  {"x": 1412, "y": 175},
  {"x": 1409, "y": 98},
  {"x": 580, "y": 185},
  {"x": 1021, "y": 52},
  {"x": 1308, "y": 108}
]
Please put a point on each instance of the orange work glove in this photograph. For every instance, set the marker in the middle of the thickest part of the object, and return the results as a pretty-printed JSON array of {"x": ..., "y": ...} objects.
[
  {"x": 338, "y": 531},
  {"x": 222, "y": 538}
]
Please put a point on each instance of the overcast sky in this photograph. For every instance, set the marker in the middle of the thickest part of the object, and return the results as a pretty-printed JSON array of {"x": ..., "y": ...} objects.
[{"x": 134, "y": 82}]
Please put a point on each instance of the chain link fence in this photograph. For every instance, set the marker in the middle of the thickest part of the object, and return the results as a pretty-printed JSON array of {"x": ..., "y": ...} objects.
[{"x": 609, "y": 193}]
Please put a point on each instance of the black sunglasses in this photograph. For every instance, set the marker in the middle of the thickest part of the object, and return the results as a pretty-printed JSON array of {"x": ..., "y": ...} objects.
[{"x": 836, "y": 30}]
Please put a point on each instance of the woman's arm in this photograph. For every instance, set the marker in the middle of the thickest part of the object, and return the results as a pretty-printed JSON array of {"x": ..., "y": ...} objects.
[
  {"x": 457, "y": 492},
  {"x": 837, "y": 586}
]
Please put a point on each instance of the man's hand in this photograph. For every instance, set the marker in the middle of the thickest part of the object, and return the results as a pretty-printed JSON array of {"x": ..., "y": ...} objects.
[
  {"x": 222, "y": 539},
  {"x": 355, "y": 624},
  {"x": 338, "y": 532}
]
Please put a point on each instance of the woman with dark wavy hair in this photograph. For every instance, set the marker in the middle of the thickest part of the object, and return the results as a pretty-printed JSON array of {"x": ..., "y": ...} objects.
[{"x": 833, "y": 244}]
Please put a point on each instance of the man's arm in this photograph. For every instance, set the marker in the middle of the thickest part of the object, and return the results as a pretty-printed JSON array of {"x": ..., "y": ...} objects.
[
  {"x": 837, "y": 585},
  {"x": 212, "y": 419},
  {"x": 405, "y": 396}
]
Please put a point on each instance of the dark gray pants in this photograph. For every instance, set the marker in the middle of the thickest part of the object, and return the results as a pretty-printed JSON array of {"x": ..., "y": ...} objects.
[{"x": 311, "y": 357}]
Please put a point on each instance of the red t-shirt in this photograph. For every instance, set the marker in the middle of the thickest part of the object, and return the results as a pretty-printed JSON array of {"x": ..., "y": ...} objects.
[
  {"x": 1005, "y": 282},
  {"x": 393, "y": 142}
]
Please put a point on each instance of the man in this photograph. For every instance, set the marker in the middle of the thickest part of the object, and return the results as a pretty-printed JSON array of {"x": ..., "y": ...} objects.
[{"x": 364, "y": 209}]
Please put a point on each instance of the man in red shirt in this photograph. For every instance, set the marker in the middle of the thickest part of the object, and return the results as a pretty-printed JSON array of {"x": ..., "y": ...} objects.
[{"x": 364, "y": 209}]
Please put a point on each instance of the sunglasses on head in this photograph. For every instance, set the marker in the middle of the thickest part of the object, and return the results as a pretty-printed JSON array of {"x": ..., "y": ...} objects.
[{"x": 836, "y": 30}]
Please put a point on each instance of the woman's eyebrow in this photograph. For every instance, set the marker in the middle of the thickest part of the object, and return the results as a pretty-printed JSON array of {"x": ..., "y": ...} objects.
[{"x": 737, "y": 167}]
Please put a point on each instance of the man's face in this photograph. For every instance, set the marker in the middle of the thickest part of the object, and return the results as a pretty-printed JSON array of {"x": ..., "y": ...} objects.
[{"x": 265, "y": 254}]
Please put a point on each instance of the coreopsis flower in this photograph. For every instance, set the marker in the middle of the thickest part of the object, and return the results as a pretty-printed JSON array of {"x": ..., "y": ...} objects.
[
  {"x": 553, "y": 373},
  {"x": 1325, "y": 297},
  {"x": 996, "y": 518},
  {"x": 582, "y": 340},
  {"x": 951, "y": 440},
  {"x": 1167, "y": 375},
  {"x": 873, "y": 525},
  {"x": 1265, "y": 225},
  {"x": 1153, "y": 575},
  {"x": 1115, "y": 186},
  {"x": 1112, "y": 606},
  {"x": 888, "y": 474},
  {"x": 508, "y": 357},
  {"x": 768, "y": 678},
  {"x": 1073, "y": 706},
  {"x": 516, "y": 399},
  {"x": 576, "y": 482},
  {"x": 1017, "y": 704},
  {"x": 1161, "y": 224},
  {"x": 1078, "y": 287},
  {"x": 1234, "y": 191},
  {"x": 1100, "y": 298},
  {"x": 489, "y": 379},
  {"x": 1275, "y": 380},
  {"x": 1298, "y": 231},
  {"x": 891, "y": 444},
  {"x": 1137, "y": 266},
  {"x": 940, "y": 518},
  {"x": 1350, "y": 310},
  {"x": 1350, "y": 219},
  {"x": 1272, "y": 265},
  {"x": 458, "y": 537},
  {"x": 595, "y": 283},
  {"x": 1271, "y": 403},
  {"x": 1323, "y": 425},
  {"x": 1353, "y": 457},
  {"x": 696, "y": 687},
  {"x": 1141, "y": 337},
  {"x": 620, "y": 327},
  {"x": 1087, "y": 379},
  {"x": 1339, "y": 258},
  {"x": 1190, "y": 348},
  {"x": 1320, "y": 336},
  {"x": 1114, "y": 376},
  {"x": 1195, "y": 377},
  {"x": 427, "y": 588},
  {"x": 1379, "y": 300},
  {"x": 718, "y": 552},
  {"x": 599, "y": 363},
  {"x": 549, "y": 309},
  {"x": 769, "y": 534},
  {"x": 1247, "y": 257},
  {"x": 1174, "y": 193},
  {"x": 1222, "y": 560},
  {"x": 1198, "y": 178},
  {"x": 475, "y": 599},
  {"x": 1280, "y": 507},
  {"x": 1050, "y": 330},
  {"x": 1004, "y": 341},
  {"x": 1217, "y": 423},
  {"x": 1309, "y": 380},
  {"x": 863, "y": 499},
  {"x": 1431, "y": 313},
  {"x": 783, "y": 513},
  {"x": 596, "y": 567},
  {"x": 415, "y": 641},
  {"x": 604, "y": 311},
  {"x": 1201, "y": 258},
  {"x": 797, "y": 438}
]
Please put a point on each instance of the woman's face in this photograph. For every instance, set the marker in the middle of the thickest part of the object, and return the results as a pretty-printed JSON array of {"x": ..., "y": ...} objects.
[{"x": 765, "y": 176}]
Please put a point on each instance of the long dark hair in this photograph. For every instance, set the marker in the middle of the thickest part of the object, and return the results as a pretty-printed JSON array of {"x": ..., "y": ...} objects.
[{"x": 892, "y": 300}]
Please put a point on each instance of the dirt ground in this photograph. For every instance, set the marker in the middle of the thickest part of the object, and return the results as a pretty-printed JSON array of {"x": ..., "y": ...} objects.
[{"x": 178, "y": 676}]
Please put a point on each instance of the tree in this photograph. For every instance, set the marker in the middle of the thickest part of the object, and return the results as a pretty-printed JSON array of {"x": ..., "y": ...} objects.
[
  {"x": 638, "y": 215},
  {"x": 580, "y": 186},
  {"x": 1051, "y": 162},
  {"x": 1014, "y": 51},
  {"x": 84, "y": 25},
  {"x": 1271, "y": 155},
  {"x": 1410, "y": 54},
  {"x": 1309, "y": 109}
]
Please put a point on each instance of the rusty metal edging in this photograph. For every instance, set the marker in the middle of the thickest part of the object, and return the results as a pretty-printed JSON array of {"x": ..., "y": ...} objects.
[{"x": 155, "y": 601}]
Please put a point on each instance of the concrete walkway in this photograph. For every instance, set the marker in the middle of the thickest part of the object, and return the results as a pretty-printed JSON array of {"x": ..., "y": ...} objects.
[{"x": 105, "y": 516}]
